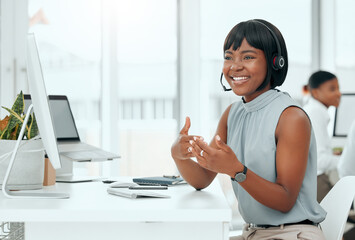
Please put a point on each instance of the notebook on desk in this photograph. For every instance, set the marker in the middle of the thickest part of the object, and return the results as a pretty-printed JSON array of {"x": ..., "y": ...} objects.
[
  {"x": 135, "y": 194},
  {"x": 69, "y": 143}
]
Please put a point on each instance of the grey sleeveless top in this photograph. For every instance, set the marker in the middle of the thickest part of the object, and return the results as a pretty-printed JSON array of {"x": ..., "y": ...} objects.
[{"x": 251, "y": 135}]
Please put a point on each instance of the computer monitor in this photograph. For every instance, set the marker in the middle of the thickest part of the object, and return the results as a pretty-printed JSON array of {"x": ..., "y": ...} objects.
[
  {"x": 40, "y": 102},
  {"x": 44, "y": 121},
  {"x": 344, "y": 115}
]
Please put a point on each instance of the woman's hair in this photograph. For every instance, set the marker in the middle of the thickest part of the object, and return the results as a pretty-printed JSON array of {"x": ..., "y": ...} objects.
[
  {"x": 318, "y": 78},
  {"x": 260, "y": 37}
]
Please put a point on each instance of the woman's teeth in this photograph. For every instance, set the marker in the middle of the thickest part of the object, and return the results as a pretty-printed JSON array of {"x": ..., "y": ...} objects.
[{"x": 239, "y": 78}]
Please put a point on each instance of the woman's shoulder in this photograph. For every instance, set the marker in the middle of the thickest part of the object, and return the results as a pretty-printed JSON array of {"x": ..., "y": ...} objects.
[{"x": 286, "y": 98}]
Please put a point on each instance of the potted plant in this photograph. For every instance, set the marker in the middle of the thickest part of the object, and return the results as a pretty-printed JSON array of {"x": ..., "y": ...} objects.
[{"x": 28, "y": 169}]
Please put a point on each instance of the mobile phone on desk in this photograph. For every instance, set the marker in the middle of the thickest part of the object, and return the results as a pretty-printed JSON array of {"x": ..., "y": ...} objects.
[{"x": 146, "y": 187}]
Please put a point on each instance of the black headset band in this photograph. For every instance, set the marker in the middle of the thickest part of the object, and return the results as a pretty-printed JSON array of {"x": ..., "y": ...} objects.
[{"x": 273, "y": 35}]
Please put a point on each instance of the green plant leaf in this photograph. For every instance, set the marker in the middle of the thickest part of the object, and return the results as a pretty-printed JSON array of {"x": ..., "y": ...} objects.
[
  {"x": 32, "y": 127},
  {"x": 29, "y": 126},
  {"x": 16, "y": 132},
  {"x": 14, "y": 120},
  {"x": 17, "y": 117},
  {"x": 10, "y": 129},
  {"x": 4, "y": 134},
  {"x": 19, "y": 104}
]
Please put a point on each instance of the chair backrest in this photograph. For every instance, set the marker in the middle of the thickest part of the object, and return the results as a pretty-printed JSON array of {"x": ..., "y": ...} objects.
[{"x": 337, "y": 203}]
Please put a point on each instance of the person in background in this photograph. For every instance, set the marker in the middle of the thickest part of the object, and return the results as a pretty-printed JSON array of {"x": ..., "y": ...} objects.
[
  {"x": 324, "y": 89},
  {"x": 264, "y": 143}
]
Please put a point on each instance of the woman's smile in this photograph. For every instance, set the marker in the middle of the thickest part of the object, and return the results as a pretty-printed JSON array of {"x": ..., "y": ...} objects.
[{"x": 239, "y": 80}]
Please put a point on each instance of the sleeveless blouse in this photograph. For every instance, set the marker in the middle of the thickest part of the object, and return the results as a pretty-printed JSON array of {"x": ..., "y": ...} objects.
[{"x": 251, "y": 135}]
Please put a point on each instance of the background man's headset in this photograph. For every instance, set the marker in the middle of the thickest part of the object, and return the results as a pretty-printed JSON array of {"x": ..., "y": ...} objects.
[{"x": 278, "y": 61}]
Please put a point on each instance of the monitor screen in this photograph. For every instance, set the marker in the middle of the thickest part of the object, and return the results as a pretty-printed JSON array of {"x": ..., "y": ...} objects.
[
  {"x": 64, "y": 123},
  {"x": 344, "y": 115},
  {"x": 63, "y": 119},
  {"x": 40, "y": 102}
]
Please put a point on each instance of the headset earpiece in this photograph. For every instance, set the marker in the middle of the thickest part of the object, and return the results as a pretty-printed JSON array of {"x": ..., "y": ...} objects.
[{"x": 278, "y": 62}]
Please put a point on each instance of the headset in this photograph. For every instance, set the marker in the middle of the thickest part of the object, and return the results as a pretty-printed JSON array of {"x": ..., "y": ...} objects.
[{"x": 278, "y": 61}]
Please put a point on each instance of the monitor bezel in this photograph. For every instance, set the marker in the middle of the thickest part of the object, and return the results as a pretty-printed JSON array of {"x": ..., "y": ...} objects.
[
  {"x": 40, "y": 101},
  {"x": 335, "y": 134}
]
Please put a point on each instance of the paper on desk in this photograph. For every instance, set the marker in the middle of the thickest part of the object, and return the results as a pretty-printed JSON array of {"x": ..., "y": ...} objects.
[{"x": 134, "y": 193}]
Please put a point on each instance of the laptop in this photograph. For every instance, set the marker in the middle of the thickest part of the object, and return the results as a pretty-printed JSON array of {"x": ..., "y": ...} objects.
[{"x": 68, "y": 140}]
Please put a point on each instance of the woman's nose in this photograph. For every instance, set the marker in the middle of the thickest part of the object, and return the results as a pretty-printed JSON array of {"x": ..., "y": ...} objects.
[{"x": 236, "y": 66}]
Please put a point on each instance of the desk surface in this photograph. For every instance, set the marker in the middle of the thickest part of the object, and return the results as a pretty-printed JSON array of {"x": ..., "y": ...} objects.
[{"x": 90, "y": 202}]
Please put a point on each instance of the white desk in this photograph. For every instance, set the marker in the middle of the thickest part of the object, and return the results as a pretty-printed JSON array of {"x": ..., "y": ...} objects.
[{"x": 91, "y": 213}]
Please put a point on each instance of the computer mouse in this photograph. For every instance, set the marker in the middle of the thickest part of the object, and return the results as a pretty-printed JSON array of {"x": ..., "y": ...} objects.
[{"x": 123, "y": 184}]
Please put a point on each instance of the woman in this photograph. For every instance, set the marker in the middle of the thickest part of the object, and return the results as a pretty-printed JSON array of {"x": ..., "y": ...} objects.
[
  {"x": 264, "y": 143},
  {"x": 324, "y": 89}
]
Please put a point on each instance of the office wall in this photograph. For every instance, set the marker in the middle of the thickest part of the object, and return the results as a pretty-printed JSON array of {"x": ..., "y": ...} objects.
[{"x": 161, "y": 62}]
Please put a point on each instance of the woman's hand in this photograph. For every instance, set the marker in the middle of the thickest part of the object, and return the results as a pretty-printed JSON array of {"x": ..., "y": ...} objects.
[
  {"x": 181, "y": 148},
  {"x": 221, "y": 159}
]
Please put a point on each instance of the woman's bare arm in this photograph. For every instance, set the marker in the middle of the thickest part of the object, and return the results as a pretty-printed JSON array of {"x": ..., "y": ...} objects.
[{"x": 293, "y": 139}]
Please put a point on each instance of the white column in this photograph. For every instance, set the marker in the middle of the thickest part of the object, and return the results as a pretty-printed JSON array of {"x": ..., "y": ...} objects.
[
  {"x": 109, "y": 95},
  {"x": 315, "y": 35},
  {"x": 327, "y": 35},
  {"x": 193, "y": 92},
  {"x": 7, "y": 76},
  {"x": 13, "y": 32},
  {"x": 327, "y": 45},
  {"x": 21, "y": 23}
]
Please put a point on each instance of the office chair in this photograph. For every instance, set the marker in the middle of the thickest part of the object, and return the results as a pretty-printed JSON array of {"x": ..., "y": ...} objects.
[{"x": 337, "y": 203}]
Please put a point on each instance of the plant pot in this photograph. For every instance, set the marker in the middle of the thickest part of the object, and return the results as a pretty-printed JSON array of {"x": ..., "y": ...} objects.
[{"x": 28, "y": 169}]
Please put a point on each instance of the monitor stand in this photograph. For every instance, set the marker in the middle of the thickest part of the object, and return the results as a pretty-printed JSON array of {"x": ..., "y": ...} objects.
[
  {"x": 65, "y": 173},
  {"x": 19, "y": 194}
]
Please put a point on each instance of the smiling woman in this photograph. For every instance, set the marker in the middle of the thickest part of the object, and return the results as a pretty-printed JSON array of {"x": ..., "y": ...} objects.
[{"x": 264, "y": 143}]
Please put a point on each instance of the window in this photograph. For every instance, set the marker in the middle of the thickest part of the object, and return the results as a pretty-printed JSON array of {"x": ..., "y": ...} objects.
[
  {"x": 344, "y": 45},
  {"x": 147, "y": 85},
  {"x": 143, "y": 45},
  {"x": 69, "y": 42}
]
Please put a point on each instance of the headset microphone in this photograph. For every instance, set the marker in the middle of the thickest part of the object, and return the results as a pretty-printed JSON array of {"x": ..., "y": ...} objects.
[{"x": 224, "y": 87}]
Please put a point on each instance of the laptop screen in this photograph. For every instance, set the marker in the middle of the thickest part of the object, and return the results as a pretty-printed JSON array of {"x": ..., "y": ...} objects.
[{"x": 64, "y": 123}]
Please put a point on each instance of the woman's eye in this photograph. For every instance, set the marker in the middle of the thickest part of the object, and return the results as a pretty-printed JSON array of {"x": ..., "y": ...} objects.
[
  {"x": 248, "y": 57},
  {"x": 227, "y": 58}
]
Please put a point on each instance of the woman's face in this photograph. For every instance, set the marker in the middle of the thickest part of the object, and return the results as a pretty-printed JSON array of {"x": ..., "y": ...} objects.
[
  {"x": 245, "y": 70},
  {"x": 328, "y": 93}
]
